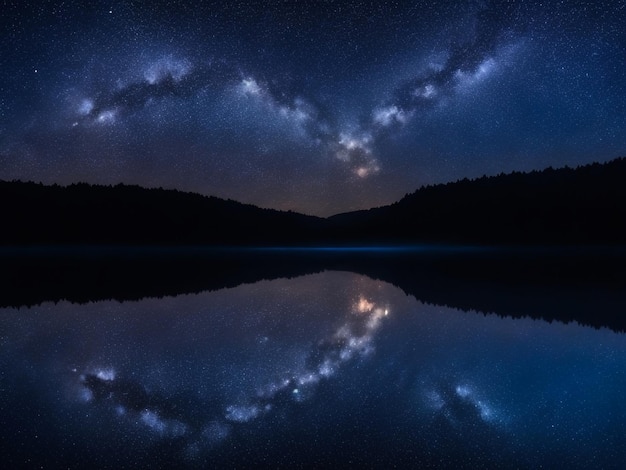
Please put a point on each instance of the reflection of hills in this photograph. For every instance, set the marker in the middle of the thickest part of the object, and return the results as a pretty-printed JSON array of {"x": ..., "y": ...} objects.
[
  {"x": 588, "y": 286},
  {"x": 565, "y": 206},
  {"x": 581, "y": 207}
]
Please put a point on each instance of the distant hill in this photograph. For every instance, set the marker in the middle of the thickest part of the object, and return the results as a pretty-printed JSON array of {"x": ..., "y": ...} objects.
[
  {"x": 586, "y": 205},
  {"x": 86, "y": 214}
]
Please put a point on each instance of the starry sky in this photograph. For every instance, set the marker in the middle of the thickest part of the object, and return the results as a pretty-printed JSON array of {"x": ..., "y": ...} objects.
[
  {"x": 319, "y": 107},
  {"x": 332, "y": 368}
]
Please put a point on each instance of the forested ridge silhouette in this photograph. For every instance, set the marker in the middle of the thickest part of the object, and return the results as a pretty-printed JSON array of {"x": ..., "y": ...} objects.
[
  {"x": 584, "y": 205},
  {"x": 519, "y": 218},
  {"x": 122, "y": 214},
  {"x": 563, "y": 206}
]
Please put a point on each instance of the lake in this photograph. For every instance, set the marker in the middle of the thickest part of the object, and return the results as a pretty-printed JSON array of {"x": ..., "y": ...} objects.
[{"x": 322, "y": 368}]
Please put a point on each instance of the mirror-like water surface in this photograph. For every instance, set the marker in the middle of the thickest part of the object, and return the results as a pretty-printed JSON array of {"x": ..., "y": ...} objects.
[{"x": 325, "y": 369}]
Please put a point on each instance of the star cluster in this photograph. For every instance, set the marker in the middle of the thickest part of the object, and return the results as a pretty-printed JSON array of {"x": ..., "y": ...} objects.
[{"x": 319, "y": 107}]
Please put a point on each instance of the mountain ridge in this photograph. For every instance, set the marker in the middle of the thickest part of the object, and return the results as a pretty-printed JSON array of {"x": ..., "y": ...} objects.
[
  {"x": 568, "y": 205},
  {"x": 551, "y": 206}
]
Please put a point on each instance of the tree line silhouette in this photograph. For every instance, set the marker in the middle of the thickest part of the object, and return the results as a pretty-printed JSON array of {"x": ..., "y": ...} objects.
[
  {"x": 563, "y": 206},
  {"x": 584, "y": 285},
  {"x": 91, "y": 214}
]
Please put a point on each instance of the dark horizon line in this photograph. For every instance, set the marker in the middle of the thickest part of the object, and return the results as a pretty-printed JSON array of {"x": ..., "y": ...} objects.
[{"x": 420, "y": 188}]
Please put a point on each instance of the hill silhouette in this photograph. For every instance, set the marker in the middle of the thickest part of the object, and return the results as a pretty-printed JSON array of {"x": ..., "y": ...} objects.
[
  {"x": 582, "y": 206},
  {"x": 564, "y": 206},
  {"x": 130, "y": 215}
]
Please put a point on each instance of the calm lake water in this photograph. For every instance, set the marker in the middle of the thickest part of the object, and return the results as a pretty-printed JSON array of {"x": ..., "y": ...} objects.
[{"x": 325, "y": 369}]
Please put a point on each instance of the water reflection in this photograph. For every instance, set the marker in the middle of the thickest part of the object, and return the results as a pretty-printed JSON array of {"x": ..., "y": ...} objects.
[{"x": 325, "y": 369}]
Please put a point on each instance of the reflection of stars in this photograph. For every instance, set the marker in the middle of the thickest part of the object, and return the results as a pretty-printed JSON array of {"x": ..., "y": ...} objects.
[
  {"x": 342, "y": 346},
  {"x": 467, "y": 79},
  {"x": 242, "y": 414},
  {"x": 460, "y": 405},
  {"x": 130, "y": 402},
  {"x": 364, "y": 306},
  {"x": 427, "y": 91}
]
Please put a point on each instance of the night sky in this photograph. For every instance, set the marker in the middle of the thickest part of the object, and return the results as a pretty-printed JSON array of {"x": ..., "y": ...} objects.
[{"x": 319, "y": 107}]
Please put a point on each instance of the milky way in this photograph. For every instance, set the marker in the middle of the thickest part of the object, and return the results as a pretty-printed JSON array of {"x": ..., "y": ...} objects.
[
  {"x": 321, "y": 108},
  {"x": 132, "y": 402}
]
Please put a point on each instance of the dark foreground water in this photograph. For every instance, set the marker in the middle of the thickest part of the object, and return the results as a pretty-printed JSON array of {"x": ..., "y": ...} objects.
[{"x": 329, "y": 369}]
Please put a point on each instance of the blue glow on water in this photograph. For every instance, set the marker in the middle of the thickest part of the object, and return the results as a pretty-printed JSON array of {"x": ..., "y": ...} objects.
[{"x": 377, "y": 249}]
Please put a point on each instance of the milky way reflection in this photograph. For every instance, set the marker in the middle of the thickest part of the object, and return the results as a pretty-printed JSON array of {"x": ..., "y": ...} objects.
[{"x": 327, "y": 369}]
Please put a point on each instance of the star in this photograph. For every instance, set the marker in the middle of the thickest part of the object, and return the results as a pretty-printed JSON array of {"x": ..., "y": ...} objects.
[{"x": 278, "y": 105}]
